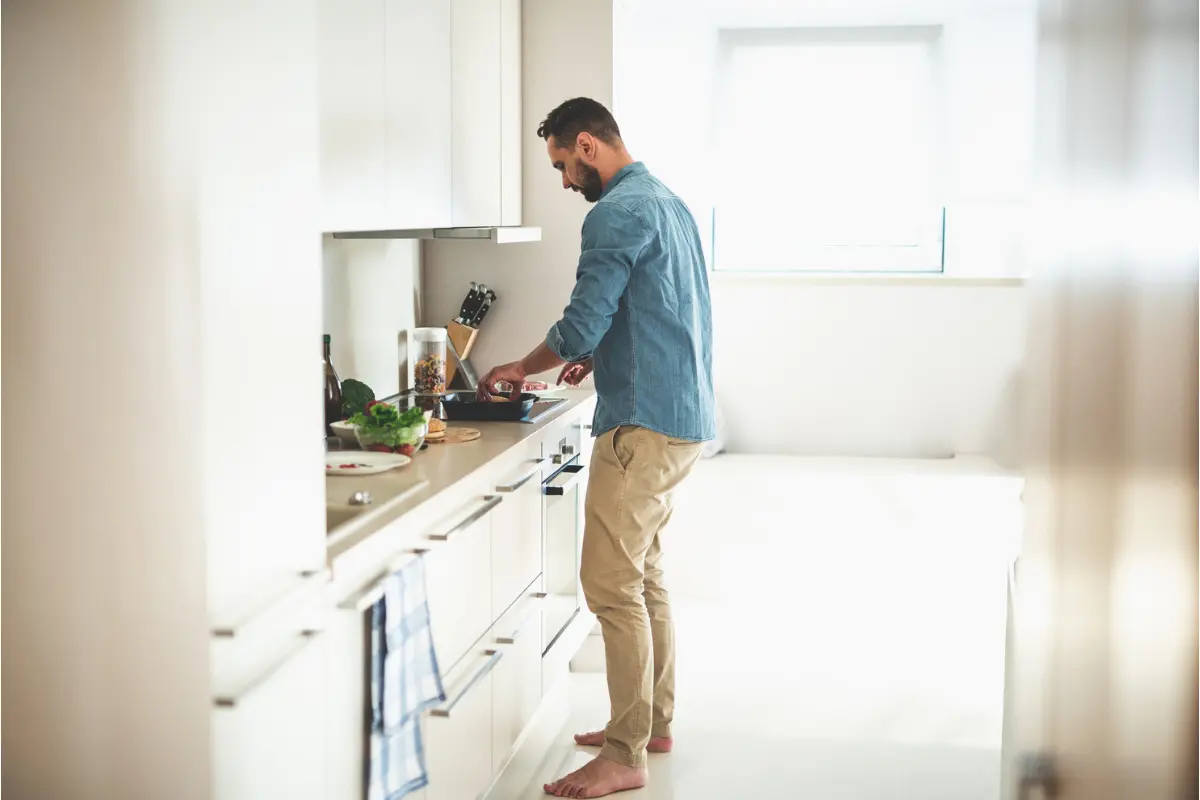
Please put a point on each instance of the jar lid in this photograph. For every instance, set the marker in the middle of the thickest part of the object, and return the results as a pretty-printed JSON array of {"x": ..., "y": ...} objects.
[{"x": 429, "y": 334}]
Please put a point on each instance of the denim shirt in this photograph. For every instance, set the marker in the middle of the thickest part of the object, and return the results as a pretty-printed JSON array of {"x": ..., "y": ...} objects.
[{"x": 641, "y": 310}]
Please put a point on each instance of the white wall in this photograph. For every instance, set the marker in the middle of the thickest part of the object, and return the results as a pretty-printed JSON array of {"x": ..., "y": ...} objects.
[
  {"x": 891, "y": 370},
  {"x": 853, "y": 366},
  {"x": 371, "y": 294},
  {"x": 566, "y": 52}
]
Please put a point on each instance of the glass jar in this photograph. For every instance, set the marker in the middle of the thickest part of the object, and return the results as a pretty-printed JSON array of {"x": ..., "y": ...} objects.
[{"x": 427, "y": 355}]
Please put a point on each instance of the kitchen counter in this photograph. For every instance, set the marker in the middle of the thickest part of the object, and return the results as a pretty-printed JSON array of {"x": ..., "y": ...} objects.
[{"x": 435, "y": 469}]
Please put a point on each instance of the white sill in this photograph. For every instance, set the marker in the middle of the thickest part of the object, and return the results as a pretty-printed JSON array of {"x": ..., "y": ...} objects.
[{"x": 865, "y": 278}]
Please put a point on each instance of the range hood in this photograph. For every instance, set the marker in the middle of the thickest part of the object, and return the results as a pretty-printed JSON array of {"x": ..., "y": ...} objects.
[{"x": 499, "y": 235}]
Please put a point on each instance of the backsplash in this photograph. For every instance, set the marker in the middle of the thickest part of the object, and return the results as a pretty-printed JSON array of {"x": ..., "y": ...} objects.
[{"x": 371, "y": 296}]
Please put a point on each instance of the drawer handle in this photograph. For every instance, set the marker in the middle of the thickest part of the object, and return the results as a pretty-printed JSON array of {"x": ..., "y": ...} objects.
[
  {"x": 535, "y": 601},
  {"x": 512, "y": 487},
  {"x": 234, "y": 699},
  {"x": 491, "y": 501},
  {"x": 373, "y": 591},
  {"x": 558, "y": 489},
  {"x": 494, "y": 657}
]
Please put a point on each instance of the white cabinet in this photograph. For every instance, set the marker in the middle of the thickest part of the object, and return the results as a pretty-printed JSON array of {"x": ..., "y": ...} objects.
[
  {"x": 486, "y": 118},
  {"x": 269, "y": 736},
  {"x": 517, "y": 534},
  {"x": 347, "y": 652},
  {"x": 420, "y": 114},
  {"x": 458, "y": 734},
  {"x": 252, "y": 247},
  {"x": 385, "y": 114},
  {"x": 418, "y": 79},
  {"x": 353, "y": 114},
  {"x": 458, "y": 581},
  {"x": 517, "y": 680}
]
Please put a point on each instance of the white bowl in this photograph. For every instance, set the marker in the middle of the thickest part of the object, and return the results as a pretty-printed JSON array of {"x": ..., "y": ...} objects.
[{"x": 344, "y": 431}]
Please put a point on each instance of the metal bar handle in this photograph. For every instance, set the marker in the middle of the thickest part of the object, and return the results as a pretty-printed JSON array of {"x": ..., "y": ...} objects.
[
  {"x": 494, "y": 657},
  {"x": 524, "y": 479},
  {"x": 234, "y": 699},
  {"x": 511, "y": 638},
  {"x": 490, "y": 502},
  {"x": 373, "y": 591},
  {"x": 556, "y": 489}
]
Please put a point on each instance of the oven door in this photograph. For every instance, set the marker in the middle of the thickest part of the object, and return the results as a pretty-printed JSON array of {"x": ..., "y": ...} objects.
[{"x": 562, "y": 504}]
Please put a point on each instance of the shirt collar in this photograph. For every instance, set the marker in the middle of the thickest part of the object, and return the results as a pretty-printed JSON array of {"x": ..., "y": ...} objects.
[{"x": 636, "y": 168}]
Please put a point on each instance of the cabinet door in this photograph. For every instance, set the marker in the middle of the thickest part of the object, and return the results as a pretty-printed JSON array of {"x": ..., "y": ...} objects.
[
  {"x": 347, "y": 691},
  {"x": 458, "y": 582},
  {"x": 458, "y": 740},
  {"x": 269, "y": 731},
  {"x": 253, "y": 247},
  {"x": 418, "y": 113},
  {"x": 517, "y": 680},
  {"x": 486, "y": 115},
  {"x": 353, "y": 67},
  {"x": 517, "y": 536}
]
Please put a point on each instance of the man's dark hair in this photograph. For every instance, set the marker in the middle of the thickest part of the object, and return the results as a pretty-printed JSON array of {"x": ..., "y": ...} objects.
[{"x": 576, "y": 116}]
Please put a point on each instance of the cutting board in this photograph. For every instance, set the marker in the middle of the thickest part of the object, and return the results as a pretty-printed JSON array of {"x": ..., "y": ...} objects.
[{"x": 457, "y": 436}]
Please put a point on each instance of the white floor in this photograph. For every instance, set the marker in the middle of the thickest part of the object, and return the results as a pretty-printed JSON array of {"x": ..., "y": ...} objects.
[{"x": 840, "y": 632}]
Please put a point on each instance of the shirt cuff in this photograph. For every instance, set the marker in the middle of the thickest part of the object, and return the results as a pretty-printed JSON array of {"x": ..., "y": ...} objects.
[{"x": 558, "y": 346}]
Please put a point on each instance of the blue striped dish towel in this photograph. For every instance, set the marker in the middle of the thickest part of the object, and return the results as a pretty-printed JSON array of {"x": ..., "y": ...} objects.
[{"x": 405, "y": 681}]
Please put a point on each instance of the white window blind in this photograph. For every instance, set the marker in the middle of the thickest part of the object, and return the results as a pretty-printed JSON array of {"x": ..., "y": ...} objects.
[{"x": 829, "y": 152}]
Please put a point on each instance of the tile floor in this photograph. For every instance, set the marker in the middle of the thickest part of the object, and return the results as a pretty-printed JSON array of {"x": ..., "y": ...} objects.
[{"x": 840, "y": 629}]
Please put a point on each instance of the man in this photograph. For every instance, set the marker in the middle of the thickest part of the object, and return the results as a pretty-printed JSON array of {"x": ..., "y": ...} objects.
[{"x": 640, "y": 318}]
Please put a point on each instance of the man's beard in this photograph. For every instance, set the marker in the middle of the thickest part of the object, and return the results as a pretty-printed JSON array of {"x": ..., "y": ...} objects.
[{"x": 592, "y": 185}]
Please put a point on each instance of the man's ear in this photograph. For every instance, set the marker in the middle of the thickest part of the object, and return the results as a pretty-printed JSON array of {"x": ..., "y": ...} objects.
[{"x": 585, "y": 143}]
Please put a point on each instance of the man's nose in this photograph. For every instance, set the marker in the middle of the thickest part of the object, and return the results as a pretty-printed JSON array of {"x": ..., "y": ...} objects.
[{"x": 566, "y": 183}]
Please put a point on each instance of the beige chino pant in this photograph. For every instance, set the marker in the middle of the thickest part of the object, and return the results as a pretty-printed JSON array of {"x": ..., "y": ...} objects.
[{"x": 633, "y": 473}]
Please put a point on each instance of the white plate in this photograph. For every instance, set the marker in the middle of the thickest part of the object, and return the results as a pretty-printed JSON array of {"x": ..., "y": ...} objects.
[
  {"x": 549, "y": 392},
  {"x": 367, "y": 463}
]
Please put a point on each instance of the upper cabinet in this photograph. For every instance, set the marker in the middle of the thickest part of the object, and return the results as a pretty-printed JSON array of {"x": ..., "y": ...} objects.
[
  {"x": 419, "y": 92},
  {"x": 353, "y": 113},
  {"x": 420, "y": 114},
  {"x": 486, "y": 130}
]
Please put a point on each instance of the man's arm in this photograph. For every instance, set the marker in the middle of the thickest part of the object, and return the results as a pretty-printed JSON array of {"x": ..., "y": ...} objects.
[
  {"x": 612, "y": 239},
  {"x": 540, "y": 359}
]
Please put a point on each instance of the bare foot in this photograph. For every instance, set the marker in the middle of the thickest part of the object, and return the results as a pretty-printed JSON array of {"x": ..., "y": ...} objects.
[
  {"x": 598, "y": 778},
  {"x": 658, "y": 744}
]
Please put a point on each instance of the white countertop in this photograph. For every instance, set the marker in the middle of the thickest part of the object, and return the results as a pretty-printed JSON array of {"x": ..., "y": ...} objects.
[{"x": 438, "y": 467}]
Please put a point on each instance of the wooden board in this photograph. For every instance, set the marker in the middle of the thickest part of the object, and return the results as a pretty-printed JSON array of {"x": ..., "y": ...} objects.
[{"x": 456, "y": 436}]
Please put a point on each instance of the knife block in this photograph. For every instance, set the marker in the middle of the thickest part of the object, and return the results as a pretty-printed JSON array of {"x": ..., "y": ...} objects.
[{"x": 462, "y": 338}]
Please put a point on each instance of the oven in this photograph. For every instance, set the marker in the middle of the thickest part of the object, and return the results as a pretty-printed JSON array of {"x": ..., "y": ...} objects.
[{"x": 564, "y": 482}]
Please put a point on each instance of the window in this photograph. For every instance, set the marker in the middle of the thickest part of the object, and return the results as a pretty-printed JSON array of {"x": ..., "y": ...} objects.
[{"x": 829, "y": 145}]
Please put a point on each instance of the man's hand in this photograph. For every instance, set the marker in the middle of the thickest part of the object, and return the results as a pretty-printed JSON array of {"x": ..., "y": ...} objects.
[
  {"x": 574, "y": 374},
  {"x": 513, "y": 373}
]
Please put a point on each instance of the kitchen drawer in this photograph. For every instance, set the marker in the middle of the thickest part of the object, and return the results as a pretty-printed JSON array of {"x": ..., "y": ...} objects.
[
  {"x": 269, "y": 729},
  {"x": 517, "y": 534},
  {"x": 517, "y": 679},
  {"x": 458, "y": 734},
  {"x": 458, "y": 570}
]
